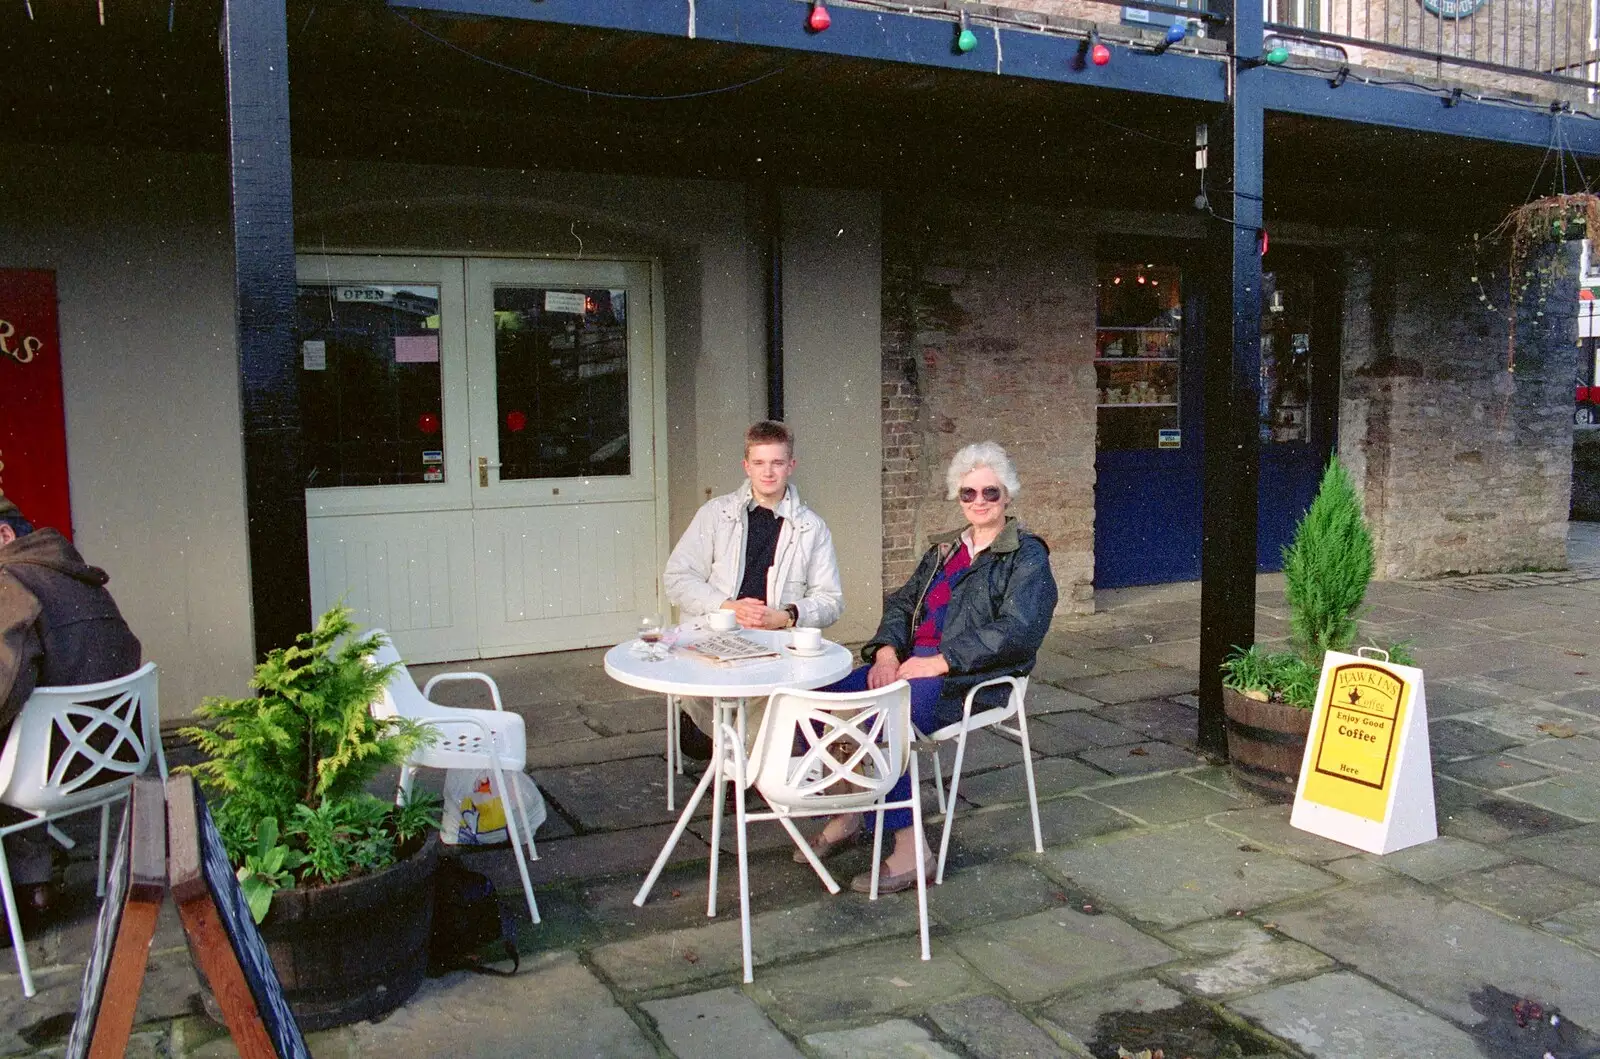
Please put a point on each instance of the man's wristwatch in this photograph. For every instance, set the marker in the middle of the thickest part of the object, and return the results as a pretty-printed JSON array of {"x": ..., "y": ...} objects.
[{"x": 793, "y": 612}]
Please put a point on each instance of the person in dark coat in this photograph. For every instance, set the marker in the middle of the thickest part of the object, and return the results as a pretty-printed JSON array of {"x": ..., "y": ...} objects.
[
  {"x": 58, "y": 626},
  {"x": 977, "y": 607}
]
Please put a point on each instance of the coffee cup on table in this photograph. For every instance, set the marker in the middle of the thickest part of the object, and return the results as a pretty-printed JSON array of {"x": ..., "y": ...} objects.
[
  {"x": 806, "y": 640},
  {"x": 722, "y": 620}
]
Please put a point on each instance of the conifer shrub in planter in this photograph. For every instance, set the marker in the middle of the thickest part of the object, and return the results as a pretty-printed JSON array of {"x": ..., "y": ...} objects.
[
  {"x": 339, "y": 881},
  {"x": 1268, "y": 695}
]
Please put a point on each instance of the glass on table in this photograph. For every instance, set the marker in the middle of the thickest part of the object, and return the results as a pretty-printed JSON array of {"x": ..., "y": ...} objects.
[{"x": 651, "y": 632}]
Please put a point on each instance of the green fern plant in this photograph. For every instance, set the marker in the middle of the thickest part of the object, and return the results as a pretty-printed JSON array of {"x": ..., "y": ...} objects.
[{"x": 295, "y": 761}]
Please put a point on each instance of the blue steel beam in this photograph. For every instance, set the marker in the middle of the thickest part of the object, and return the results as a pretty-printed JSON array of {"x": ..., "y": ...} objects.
[
  {"x": 1407, "y": 108},
  {"x": 868, "y": 34}
]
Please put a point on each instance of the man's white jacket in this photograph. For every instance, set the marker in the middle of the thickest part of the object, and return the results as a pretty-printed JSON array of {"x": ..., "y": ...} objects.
[{"x": 707, "y": 566}]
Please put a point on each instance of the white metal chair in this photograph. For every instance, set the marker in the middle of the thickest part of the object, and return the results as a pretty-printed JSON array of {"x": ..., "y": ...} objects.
[
  {"x": 495, "y": 740},
  {"x": 73, "y": 749},
  {"x": 859, "y": 740},
  {"x": 993, "y": 717}
]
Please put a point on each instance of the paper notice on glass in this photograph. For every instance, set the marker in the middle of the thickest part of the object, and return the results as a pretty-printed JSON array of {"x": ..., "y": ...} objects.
[
  {"x": 561, "y": 301},
  {"x": 416, "y": 349},
  {"x": 314, "y": 355}
]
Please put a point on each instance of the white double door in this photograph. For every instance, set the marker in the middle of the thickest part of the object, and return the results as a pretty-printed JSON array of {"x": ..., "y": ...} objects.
[{"x": 485, "y": 473}]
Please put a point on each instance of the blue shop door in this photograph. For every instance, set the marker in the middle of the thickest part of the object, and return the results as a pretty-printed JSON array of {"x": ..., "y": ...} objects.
[
  {"x": 1147, "y": 419},
  {"x": 1148, "y": 369}
]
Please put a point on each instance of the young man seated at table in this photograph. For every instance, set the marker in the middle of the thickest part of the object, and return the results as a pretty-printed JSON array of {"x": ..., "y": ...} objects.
[{"x": 759, "y": 552}]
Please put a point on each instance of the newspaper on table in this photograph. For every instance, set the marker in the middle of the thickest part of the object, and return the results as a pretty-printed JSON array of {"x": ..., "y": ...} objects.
[{"x": 727, "y": 648}]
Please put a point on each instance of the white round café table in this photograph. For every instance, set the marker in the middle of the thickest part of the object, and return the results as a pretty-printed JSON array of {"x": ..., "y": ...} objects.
[{"x": 729, "y": 688}]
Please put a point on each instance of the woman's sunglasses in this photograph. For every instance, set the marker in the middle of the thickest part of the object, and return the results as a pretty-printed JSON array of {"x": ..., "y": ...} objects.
[{"x": 967, "y": 494}]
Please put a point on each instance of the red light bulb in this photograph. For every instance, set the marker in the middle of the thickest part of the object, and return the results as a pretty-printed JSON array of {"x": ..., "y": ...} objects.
[
  {"x": 1099, "y": 54},
  {"x": 819, "y": 19}
]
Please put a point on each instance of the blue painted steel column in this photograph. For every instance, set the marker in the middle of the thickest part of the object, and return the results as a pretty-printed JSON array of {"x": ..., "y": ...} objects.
[
  {"x": 1233, "y": 372},
  {"x": 256, "y": 47}
]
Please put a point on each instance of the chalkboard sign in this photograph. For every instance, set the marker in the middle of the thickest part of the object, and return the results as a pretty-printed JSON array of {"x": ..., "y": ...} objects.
[
  {"x": 135, "y": 890},
  {"x": 222, "y": 936}
]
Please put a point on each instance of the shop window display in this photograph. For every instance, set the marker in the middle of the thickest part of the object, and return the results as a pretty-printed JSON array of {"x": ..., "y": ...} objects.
[{"x": 1138, "y": 350}]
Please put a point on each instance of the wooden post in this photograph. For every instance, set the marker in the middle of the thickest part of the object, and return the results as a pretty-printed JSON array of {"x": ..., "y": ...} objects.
[{"x": 256, "y": 50}]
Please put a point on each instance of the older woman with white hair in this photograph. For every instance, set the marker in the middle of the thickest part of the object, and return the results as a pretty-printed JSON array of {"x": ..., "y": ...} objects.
[{"x": 977, "y": 607}]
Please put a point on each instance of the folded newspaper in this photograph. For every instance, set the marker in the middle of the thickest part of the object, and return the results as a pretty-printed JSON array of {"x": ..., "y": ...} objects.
[{"x": 727, "y": 648}]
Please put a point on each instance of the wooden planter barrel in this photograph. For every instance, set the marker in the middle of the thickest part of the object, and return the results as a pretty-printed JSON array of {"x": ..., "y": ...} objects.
[
  {"x": 1266, "y": 743},
  {"x": 353, "y": 950}
]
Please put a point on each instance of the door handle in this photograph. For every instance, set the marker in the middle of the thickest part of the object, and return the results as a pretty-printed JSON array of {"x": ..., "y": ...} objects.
[{"x": 483, "y": 471}]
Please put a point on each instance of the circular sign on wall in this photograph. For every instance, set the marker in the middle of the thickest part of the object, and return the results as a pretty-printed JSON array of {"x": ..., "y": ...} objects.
[{"x": 1453, "y": 8}]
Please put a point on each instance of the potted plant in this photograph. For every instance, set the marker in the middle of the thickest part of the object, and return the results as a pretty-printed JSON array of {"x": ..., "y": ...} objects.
[
  {"x": 1268, "y": 695},
  {"x": 339, "y": 880}
]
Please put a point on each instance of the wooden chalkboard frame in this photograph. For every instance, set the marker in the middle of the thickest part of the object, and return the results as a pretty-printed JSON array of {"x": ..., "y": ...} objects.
[
  {"x": 135, "y": 891},
  {"x": 222, "y": 935}
]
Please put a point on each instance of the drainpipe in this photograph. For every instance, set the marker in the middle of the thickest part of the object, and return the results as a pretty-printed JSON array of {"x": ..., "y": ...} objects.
[{"x": 774, "y": 224}]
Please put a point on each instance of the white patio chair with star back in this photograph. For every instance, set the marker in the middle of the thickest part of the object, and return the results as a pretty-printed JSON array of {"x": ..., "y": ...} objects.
[
  {"x": 493, "y": 740},
  {"x": 72, "y": 749},
  {"x": 859, "y": 741},
  {"x": 991, "y": 717}
]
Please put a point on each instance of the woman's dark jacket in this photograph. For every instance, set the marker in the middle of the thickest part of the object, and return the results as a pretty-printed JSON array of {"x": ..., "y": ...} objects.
[{"x": 1000, "y": 609}]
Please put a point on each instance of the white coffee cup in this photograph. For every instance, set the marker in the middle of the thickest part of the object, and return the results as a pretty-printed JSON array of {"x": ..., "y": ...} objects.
[
  {"x": 807, "y": 640},
  {"x": 722, "y": 620}
]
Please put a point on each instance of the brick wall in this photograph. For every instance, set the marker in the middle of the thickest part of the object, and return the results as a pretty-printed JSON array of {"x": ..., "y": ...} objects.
[
  {"x": 988, "y": 335},
  {"x": 1463, "y": 467}
]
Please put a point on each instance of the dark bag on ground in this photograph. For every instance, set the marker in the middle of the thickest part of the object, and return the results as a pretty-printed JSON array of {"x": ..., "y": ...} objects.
[{"x": 466, "y": 920}]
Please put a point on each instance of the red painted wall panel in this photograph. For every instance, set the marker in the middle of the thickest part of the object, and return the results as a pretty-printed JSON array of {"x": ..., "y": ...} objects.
[{"x": 33, "y": 428}]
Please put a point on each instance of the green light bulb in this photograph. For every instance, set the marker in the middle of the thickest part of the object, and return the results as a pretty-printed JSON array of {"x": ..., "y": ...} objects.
[
  {"x": 1278, "y": 56},
  {"x": 966, "y": 41}
]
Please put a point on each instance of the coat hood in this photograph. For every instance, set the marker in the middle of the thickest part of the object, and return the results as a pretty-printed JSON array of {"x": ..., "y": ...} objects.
[{"x": 49, "y": 549}]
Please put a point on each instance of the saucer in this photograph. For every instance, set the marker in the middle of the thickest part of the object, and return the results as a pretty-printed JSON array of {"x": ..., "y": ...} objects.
[{"x": 792, "y": 649}]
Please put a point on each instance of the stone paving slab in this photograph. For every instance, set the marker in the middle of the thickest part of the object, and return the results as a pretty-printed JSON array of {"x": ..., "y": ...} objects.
[
  {"x": 894, "y": 1039},
  {"x": 1068, "y": 733},
  {"x": 1580, "y": 752},
  {"x": 1441, "y": 858},
  {"x": 1531, "y": 722},
  {"x": 1078, "y": 1015},
  {"x": 1523, "y": 891},
  {"x": 614, "y": 795},
  {"x": 672, "y": 958},
  {"x": 1343, "y": 1016},
  {"x": 1575, "y": 796},
  {"x": 981, "y": 836},
  {"x": 1166, "y": 799},
  {"x": 1453, "y": 738},
  {"x": 599, "y": 749},
  {"x": 628, "y": 716},
  {"x": 1576, "y": 852},
  {"x": 1051, "y": 776},
  {"x": 586, "y": 856},
  {"x": 847, "y": 918},
  {"x": 721, "y": 1022},
  {"x": 992, "y": 891},
  {"x": 1494, "y": 771},
  {"x": 1140, "y": 758},
  {"x": 1136, "y": 684},
  {"x": 1269, "y": 826},
  {"x": 1219, "y": 937},
  {"x": 1051, "y": 952},
  {"x": 989, "y": 1028},
  {"x": 985, "y": 750},
  {"x": 1185, "y": 874},
  {"x": 857, "y": 984},
  {"x": 1479, "y": 816},
  {"x": 1580, "y": 924},
  {"x": 553, "y": 1006},
  {"x": 1438, "y": 951},
  {"x": 1045, "y": 700},
  {"x": 1160, "y": 719},
  {"x": 1250, "y": 967}
]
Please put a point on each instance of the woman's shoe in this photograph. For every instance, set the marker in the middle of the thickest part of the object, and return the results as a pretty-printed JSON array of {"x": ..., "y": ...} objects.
[
  {"x": 889, "y": 883},
  {"x": 825, "y": 847}
]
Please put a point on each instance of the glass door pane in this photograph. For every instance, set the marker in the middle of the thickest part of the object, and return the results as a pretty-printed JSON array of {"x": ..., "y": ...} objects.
[
  {"x": 561, "y": 382},
  {"x": 370, "y": 382},
  {"x": 1138, "y": 356},
  {"x": 1286, "y": 315}
]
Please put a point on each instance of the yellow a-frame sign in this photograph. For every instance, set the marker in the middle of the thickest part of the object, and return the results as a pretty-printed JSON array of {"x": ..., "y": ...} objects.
[{"x": 1367, "y": 779}]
